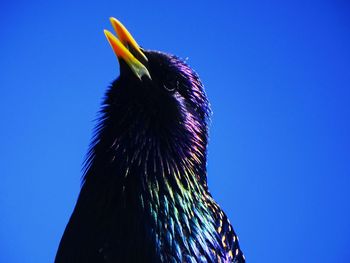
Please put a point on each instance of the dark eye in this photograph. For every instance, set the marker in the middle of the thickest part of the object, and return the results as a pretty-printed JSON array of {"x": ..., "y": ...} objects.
[{"x": 169, "y": 87}]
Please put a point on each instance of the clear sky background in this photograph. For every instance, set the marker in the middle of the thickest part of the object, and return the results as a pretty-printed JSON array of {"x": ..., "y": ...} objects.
[{"x": 277, "y": 74}]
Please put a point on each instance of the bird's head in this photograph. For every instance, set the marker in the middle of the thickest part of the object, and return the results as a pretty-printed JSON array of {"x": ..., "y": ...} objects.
[{"x": 156, "y": 107}]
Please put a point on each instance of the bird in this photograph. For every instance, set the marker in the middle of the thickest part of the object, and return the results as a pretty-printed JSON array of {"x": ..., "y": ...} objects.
[{"x": 144, "y": 195}]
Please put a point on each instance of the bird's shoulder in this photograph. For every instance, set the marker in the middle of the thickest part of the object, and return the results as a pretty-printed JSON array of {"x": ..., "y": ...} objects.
[{"x": 228, "y": 237}]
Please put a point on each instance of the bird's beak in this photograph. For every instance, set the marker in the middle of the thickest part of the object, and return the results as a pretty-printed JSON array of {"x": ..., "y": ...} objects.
[{"x": 127, "y": 49}]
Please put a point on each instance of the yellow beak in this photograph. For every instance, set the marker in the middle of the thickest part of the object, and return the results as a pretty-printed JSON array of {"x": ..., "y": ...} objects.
[{"x": 123, "y": 46}]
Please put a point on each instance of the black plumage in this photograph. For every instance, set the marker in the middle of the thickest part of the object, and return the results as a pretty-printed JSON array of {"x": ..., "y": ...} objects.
[{"x": 144, "y": 196}]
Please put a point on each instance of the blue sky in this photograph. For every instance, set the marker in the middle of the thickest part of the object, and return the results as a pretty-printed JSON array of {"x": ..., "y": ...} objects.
[{"x": 277, "y": 76}]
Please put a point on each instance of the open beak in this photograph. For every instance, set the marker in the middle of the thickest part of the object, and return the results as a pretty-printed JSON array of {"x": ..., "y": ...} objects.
[{"x": 127, "y": 49}]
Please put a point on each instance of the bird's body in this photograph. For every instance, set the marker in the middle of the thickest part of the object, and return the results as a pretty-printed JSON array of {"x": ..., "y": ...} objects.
[{"x": 144, "y": 196}]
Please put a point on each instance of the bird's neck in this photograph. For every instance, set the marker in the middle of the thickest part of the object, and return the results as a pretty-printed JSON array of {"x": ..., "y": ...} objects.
[
  {"x": 136, "y": 146},
  {"x": 153, "y": 161},
  {"x": 159, "y": 182}
]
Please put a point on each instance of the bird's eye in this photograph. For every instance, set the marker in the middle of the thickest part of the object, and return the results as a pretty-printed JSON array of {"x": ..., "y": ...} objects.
[
  {"x": 168, "y": 87},
  {"x": 171, "y": 86}
]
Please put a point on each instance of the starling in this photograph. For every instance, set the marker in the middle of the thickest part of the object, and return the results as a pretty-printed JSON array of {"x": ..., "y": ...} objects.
[{"x": 144, "y": 195}]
